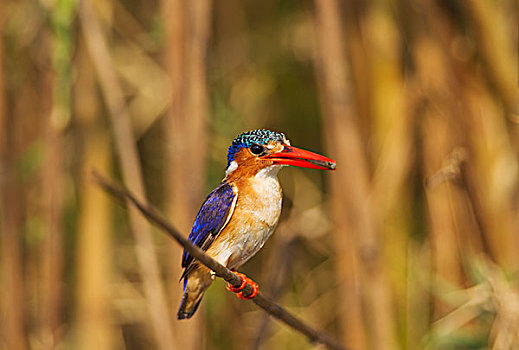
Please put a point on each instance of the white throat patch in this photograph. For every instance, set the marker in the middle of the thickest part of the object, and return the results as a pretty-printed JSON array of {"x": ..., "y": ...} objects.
[
  {"x": 232, "y": 167},
  {"x": 269, "y": 172}
]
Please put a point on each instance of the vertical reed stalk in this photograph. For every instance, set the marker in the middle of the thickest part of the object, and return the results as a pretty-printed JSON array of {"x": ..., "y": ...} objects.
[
  {"x": 392, "y": 135},
  {"x": 444, "y": 231},
  {"x": 131, "y": 172},
  {"x": 12, "y": 262},
  {"x": 94, "y": 318},
  {"x": 57, "y": 82},
  {"x": 352, "y": 206},
  {"x": 187, "y": 28},
  {"x": 500, "y": 56},
  {"x": 13, "y": 305},
  {"x": 439, "y": 135}
]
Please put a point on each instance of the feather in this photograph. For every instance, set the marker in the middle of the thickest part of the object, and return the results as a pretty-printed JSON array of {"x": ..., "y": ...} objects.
[{"x": 212, "y": 217}]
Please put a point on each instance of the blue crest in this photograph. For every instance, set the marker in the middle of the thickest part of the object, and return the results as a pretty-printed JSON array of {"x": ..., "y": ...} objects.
[{"x": 247, "y": 139}]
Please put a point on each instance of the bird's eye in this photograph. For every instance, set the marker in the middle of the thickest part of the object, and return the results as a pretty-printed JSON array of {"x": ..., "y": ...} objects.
[{"x": 256, "y": 149}]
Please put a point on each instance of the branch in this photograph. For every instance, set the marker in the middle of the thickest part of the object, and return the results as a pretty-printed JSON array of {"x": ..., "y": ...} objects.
[{"x": 221, "y": 271}]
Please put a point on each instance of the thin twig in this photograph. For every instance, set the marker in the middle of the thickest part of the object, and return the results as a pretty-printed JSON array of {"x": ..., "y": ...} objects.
[{"x": 221, "y": 271}]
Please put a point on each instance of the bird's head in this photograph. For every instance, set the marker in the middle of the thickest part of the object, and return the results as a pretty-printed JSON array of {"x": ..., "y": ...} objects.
[{"x": 255, "y": 150}]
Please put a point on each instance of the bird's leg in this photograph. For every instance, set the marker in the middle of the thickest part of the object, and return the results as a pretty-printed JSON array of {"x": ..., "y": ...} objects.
[{"x": 239, "y": 290}]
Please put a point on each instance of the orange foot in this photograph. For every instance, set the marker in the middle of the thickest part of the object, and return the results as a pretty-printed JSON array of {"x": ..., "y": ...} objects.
[{"x": 239, "y": 290}]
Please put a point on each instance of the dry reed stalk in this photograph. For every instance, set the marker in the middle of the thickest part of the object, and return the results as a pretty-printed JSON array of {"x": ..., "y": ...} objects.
[
  {"x": 94, "y": 319},
  {"x": 185, "y": 123},
  {"x": 444, "y": 233},
  {"x": 482, "y": 127},
  {"x": 39, "y": 263},
  {"x": 131, "y": 171},
  {"x": 52, "y": 259},
  {"x": 351, "y": 200},
  {"x": 14, "y": 324},
  {"x": 440, "y": 134},
  {"x": 493, "y": 33},
  {"x": 480, "y": 200},
  {"x": 13, "y": 321},
  {"x": 358, "y": 48},
  {"x": 56, "y": 106},
  {"x": 489, "y": 176},
  {"x": 393, "y": 103},
  {"x": 176, "y": 175},
  {"x": 491, "y": 183},
  {"x": 451, "y": 244},
  {"x": 348, "y": 270},
  {"x": 52, "y": 207},
  {"x": 14, "y": 331},
  {"x": 350, "y": 304},
  {"x": 418, "y": 295},
  {"x": 188, "y": 114},
  {"x": 199, "y": 15}
]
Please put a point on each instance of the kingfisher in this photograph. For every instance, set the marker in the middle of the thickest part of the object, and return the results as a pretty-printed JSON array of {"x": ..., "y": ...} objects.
[{"x": 241, "y": 213}]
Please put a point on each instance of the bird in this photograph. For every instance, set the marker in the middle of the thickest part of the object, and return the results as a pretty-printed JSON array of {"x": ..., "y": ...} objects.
[{"x": 241, "y": 213}]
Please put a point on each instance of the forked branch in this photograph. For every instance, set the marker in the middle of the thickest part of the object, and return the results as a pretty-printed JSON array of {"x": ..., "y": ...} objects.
[{"x": 221, "y": 271}]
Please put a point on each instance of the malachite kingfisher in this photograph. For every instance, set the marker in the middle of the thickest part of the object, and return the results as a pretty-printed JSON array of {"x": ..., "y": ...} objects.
[{"x": 240, "y": 214}]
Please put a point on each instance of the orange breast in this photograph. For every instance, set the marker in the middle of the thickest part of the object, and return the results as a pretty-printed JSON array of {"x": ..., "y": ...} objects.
[{"x": 254, "y": 219}]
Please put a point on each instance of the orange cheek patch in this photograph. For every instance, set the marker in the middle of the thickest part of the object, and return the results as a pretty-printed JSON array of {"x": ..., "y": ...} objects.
[{"x": 248, "y": 165}]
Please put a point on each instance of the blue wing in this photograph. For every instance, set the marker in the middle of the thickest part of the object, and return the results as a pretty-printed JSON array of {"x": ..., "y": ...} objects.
[{"x": 210, "y": 220}]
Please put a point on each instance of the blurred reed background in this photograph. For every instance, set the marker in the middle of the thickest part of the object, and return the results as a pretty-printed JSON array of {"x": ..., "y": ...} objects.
[{"x": 413, "y": 243}]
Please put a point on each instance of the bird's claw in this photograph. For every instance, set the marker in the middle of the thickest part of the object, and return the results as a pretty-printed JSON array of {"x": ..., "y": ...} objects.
[
  {"x": 239, "y": 290},
  {"x": 234, "y": 289}
]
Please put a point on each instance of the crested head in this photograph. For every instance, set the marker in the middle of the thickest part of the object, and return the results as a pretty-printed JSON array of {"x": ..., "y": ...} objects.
[
  {"x": 255, "y": 150},
  {"x": 254, "y": 137},
  {"x": 247, "y": 150}
]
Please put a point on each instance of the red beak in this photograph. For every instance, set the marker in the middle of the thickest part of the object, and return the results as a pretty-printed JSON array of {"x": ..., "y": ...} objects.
[{"x": 301, "y": 158}]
